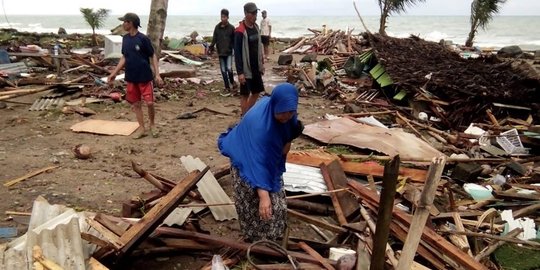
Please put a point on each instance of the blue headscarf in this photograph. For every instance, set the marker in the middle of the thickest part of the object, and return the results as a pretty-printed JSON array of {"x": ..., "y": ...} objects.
[{"x": 255, "y": 145}]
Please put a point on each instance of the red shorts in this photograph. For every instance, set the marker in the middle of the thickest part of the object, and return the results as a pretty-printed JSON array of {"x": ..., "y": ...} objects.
[{"x": 140, "y": 91}]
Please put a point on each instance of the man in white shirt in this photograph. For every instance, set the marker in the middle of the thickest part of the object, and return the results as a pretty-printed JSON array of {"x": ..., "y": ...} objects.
[{"x": 266, "y": 32}]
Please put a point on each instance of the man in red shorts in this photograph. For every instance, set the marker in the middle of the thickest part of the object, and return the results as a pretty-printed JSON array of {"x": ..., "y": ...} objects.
[{"x": 137, "y": 55}]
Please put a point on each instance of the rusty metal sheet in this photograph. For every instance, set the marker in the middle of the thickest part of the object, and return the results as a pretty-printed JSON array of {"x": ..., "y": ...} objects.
[{"x": 388, "y": 141}]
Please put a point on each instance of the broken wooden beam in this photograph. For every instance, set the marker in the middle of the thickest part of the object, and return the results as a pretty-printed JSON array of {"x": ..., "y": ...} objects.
[
  {"x": 235, "y": 244},
  {"x": 313, "y": 253},
  {"x": 140, "y": 230},
  {"x": 421, "y": 213},
  {"x": 148, "y": 177},
  {"x": 311, "y": 207},
  {"x": 28, "y": 175},
  {"x": 342, "y": 219},
  {"x": 314, "y": 159},
  {"x": 384, "y": 215},
  {"x": 317, "y": 222},
  {"x": 429, "y": 236}
]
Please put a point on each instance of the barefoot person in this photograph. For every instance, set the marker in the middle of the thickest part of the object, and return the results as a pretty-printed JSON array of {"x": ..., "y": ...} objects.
[
  {"x": 266, "y": 33},
  {"x": 248, "y": 54},
  {"x": 137, "y": 55},
  {"x": 257, "y": 148},
  {"x": 224, "y": 39}
]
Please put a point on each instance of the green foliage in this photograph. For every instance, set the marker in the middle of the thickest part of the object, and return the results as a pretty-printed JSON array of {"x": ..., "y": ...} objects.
[
  {"x": 482, "y": 12},
  {"x": 510, "y": 257},
  {"x": 95, "y": 19},
  {"x": 397, "y": 6},
  {"x": 389, "y": 7}
]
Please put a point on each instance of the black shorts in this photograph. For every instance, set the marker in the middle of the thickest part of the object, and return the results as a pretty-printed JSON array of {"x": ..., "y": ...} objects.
[
  {"x": 252, "y": 86},
  {"x": 265, "y": 40}
]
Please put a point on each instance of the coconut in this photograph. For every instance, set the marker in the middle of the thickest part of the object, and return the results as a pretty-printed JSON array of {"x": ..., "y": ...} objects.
[{"x": 82, "y": 151}]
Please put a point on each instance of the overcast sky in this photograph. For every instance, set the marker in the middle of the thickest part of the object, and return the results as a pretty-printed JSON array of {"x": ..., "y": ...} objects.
[{"x": 274, "y": 7}]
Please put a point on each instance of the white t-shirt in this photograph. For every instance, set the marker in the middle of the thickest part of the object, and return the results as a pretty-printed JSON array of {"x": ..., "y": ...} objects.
[{"x": 265, "y": 27}]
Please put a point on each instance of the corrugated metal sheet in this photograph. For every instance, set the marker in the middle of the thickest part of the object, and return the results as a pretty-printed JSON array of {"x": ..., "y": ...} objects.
[
  {"x": 178, "y": 216},
  {"x": 211, "y": 190},
  {"x": 300, "y": 178},
  {"x": 57, "y": 230}
]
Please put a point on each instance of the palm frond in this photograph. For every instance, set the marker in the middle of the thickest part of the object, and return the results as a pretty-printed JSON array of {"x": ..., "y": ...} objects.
[
  {"x": 399, "y": 6},
  {"x": 482, "y": 11},
  {"x": 95, "y": 19}
]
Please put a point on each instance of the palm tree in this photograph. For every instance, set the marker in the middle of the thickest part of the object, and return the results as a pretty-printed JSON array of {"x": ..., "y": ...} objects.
[
  {"x": 392, "y": 6},
  {"x": 482, "y": 12},
  {"x": 95, "y": 19}
]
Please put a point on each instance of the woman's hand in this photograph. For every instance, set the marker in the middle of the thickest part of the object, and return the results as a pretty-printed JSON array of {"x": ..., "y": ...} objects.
[{"x": 265, "y": 204}]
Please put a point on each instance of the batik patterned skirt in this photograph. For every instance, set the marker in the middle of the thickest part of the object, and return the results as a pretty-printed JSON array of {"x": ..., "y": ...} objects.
[{"x": 247, "y": 205}]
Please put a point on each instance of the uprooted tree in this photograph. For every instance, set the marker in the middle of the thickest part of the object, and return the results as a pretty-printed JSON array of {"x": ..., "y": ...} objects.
[
  {"x": 482, "y": 12},
  {"x": 388, "y": 7},
  {"x": 95, "y": 19}
]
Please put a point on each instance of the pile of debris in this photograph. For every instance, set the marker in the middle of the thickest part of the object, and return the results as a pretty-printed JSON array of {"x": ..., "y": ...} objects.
[
  {"x": 329, "y": 42},
  {"x": 465, "y": 87},
  {"x": 72, "y": 76}
]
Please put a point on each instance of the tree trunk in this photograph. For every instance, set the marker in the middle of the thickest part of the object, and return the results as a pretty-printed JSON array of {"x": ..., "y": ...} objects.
[
  {"x": 384, "y": 16},
  {"x": 472, "y": 33},
  {"x": 94, "y": 38},
  {"x": 156, "y": 23}
]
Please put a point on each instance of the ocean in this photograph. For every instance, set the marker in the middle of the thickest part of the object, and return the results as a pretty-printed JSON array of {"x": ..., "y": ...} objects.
[{"x": 502, "y": 31}]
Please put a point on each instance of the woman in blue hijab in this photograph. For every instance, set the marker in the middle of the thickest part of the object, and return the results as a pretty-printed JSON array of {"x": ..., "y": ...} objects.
[{"x": 257, "y": 148}]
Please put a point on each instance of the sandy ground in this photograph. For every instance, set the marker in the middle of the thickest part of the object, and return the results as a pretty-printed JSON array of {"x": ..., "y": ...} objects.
[{"x": 34, "y": 140}]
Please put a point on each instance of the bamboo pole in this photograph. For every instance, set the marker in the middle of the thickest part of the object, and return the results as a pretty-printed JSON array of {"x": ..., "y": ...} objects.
[{"x": 421, "y": 214}]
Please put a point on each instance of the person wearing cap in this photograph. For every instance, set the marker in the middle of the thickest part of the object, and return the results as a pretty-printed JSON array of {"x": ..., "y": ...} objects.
[
  {"x": 224, "y": 37},
  {"x": 248, "y": 55},
  {"x": 137, "y": 57},
  {"x": 266, "y": 33}
]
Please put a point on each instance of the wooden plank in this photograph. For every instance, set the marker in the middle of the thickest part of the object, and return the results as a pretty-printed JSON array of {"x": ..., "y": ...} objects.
[
  {"x": 314, "y": 159},
  {"x": 107, "y": 223},
  {"x": 335, "y": 201},
  {"x": 401, "y": 234},
  {"x": 384, "y": 215},
  {"x": 94, "y": 264},
  {"x": 140, "y": 230},
  {"x": 339, "y": 179},
  {"x": 430, "y": 236},
  {"x": 112, "y": 238},
  {"x": 235, "y": 244},
  {"x": 37, "y": 255},
  {"x": 389, "y": 251},
  {"x": 185, "y": 244},
  {"x": 317, "y": 222},
  {"x": 422, "y": 213},
  {"x": 28, "y": 175},
  {"x": 95, "y": 240},
  {"x": 315, "y": 255},
  {"x": 460, "y": 227}
]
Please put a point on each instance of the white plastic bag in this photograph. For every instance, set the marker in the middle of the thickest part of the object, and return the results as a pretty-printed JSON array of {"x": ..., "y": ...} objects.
[{"x": 217, "y": 263}]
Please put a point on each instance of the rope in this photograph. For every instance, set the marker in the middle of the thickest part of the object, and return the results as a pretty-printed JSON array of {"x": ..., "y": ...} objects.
[{"x": 274, "y": 246}]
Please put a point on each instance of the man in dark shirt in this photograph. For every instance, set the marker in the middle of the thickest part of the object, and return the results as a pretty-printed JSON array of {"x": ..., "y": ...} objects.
[
  {"x": 248, "y": 54},
  {"x": 224, "y": 37},
  {"x": 137, "y": 54}
]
